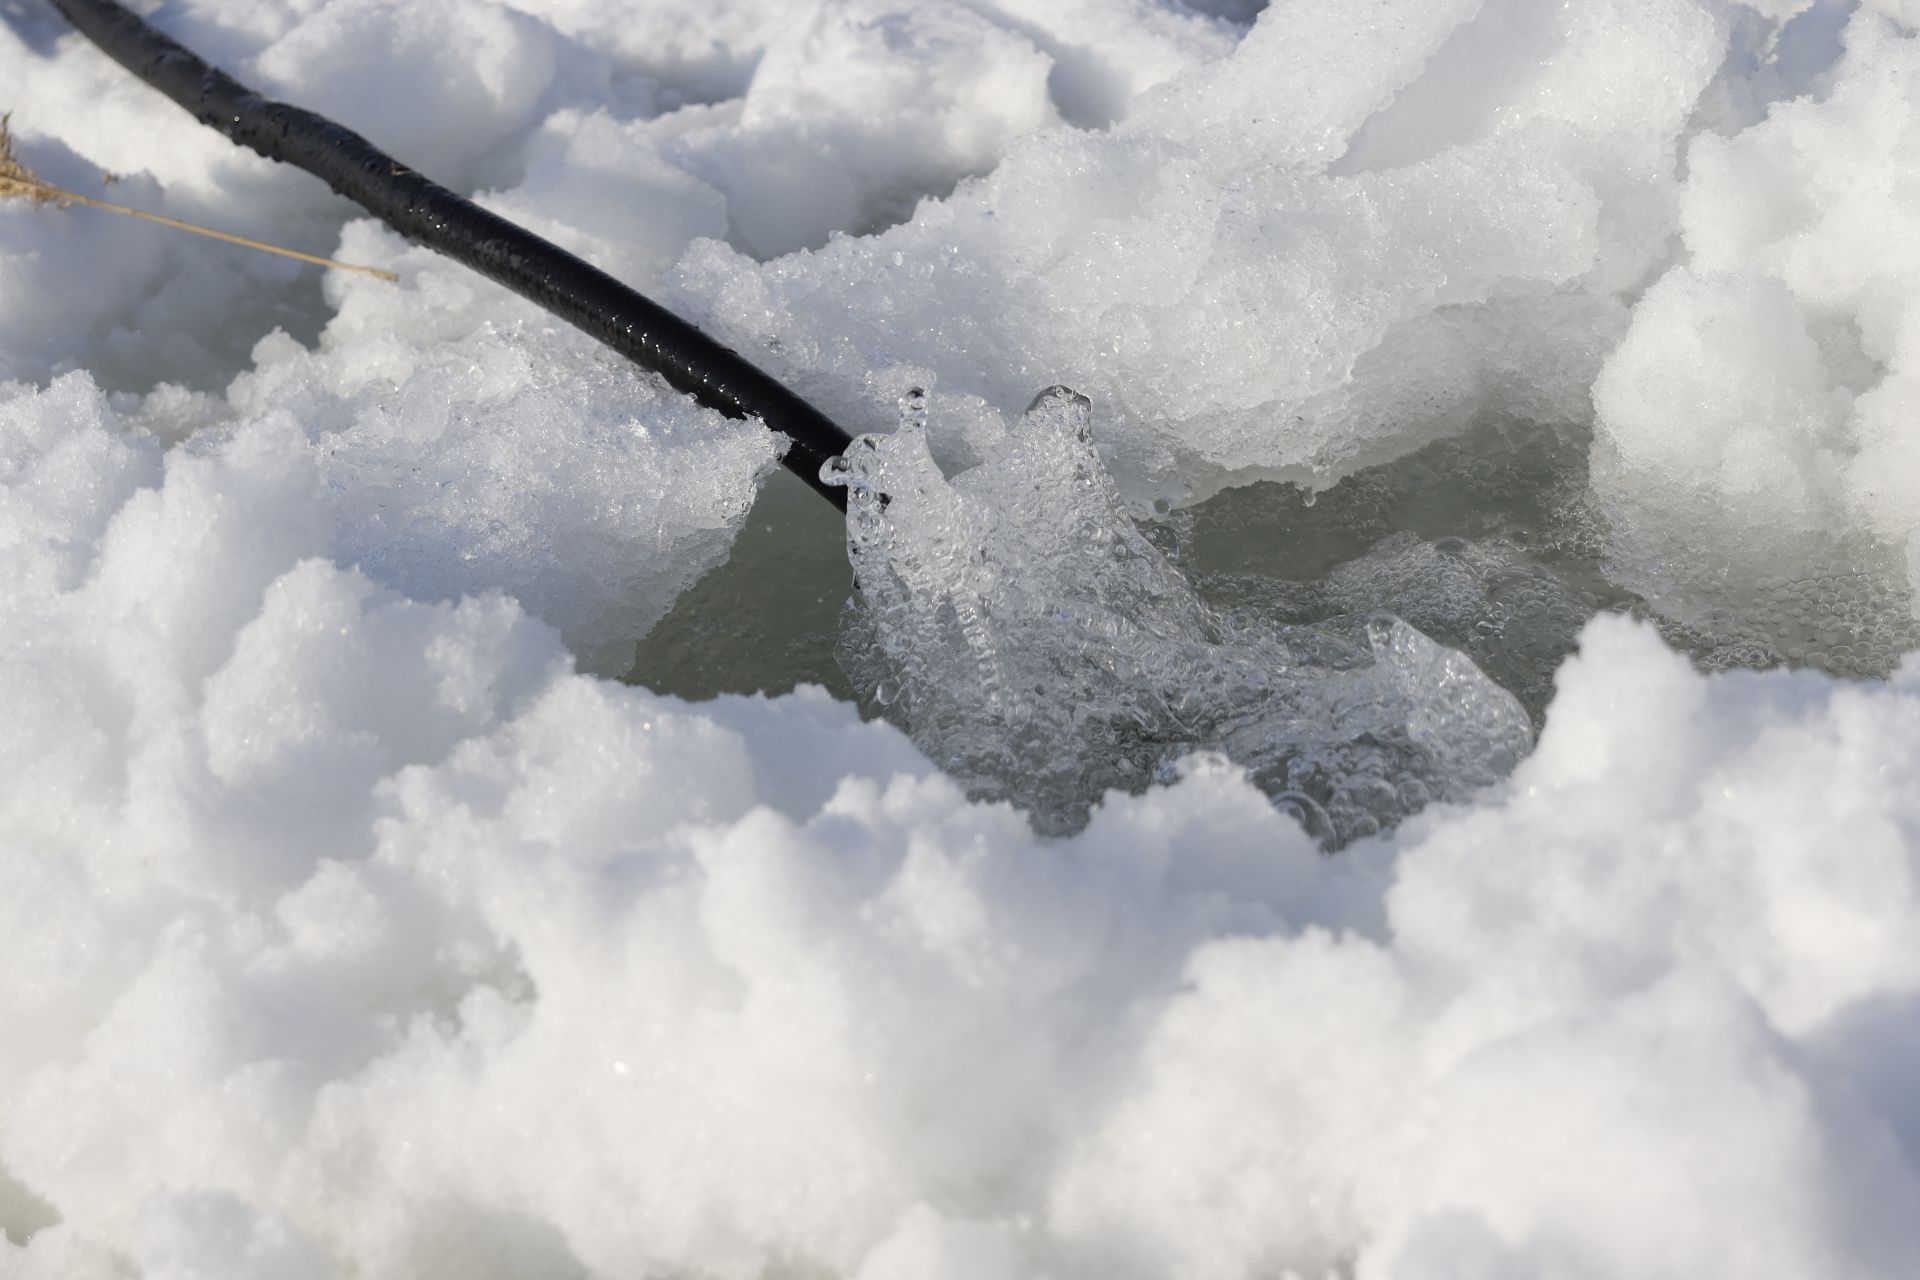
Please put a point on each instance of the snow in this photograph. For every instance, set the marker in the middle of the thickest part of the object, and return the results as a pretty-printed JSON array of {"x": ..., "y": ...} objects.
[
  {"x": 1799, "y": 234},
  {"x": 355, "y": 922}
]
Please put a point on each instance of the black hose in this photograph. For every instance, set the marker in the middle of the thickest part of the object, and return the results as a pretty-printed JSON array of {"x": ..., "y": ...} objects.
[{"x": 423, "y": 211}]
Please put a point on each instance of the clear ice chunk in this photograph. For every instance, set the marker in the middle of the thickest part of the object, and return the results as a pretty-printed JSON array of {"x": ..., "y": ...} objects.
[{"x": 1037, "y": 644}]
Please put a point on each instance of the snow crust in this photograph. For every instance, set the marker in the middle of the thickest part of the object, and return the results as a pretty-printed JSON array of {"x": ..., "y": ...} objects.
[
  {"x": 1268, "y": 269},
  {"x": 352, "y": 924}
]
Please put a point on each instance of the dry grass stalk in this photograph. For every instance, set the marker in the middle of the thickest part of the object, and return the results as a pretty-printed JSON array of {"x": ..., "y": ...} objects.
[{"x": 19, "y": 182}]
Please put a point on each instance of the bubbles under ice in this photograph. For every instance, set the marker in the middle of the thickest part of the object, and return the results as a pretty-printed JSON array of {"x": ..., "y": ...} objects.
[{"x": 1038, "y": 644}]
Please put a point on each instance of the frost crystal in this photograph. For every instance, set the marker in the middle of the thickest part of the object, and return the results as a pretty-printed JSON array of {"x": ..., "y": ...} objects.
[{"x": 1038, "y": 643}]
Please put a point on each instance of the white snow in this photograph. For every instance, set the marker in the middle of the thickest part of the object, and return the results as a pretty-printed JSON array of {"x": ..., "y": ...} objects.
[
  {"x": 354, "y": 923},
  {"x": 1803, "y": 240}
]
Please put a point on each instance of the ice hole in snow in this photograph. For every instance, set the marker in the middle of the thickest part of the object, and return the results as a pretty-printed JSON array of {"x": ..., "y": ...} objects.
[
  {"x": 1041, "y": 647},
  {"x": 1362, "y": 650}
]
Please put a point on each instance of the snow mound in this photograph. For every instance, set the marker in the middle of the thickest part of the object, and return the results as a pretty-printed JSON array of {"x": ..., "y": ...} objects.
[{"x": 352, "y": 934}]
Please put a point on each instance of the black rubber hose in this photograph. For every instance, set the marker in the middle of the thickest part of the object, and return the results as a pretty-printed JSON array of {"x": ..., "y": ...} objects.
[{"x": 425, "y": 212}]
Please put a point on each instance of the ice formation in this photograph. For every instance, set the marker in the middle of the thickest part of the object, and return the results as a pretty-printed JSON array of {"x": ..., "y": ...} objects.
[
  {"x": 351, "y": 925},
  {"x": 1042, "y": 649},
  {"x": 1265, "y": 268}
]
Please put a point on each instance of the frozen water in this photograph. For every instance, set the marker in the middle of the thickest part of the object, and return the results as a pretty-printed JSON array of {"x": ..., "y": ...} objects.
[
  {"x": 1260, "y": 270},
  {"x": 1042, "y": 649}
]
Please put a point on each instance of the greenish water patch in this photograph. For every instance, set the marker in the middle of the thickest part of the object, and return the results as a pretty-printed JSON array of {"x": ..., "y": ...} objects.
[
  {"x": 1489, "y": 542},
  {"x": 767, "y": 619}
]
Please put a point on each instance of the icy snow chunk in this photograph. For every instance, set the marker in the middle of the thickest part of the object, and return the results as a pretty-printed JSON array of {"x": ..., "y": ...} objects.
[
  {"x": 1039, "y": 646},
  {"x": 1263, "y": 270},
  {"x": 465, "y": 443}
]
